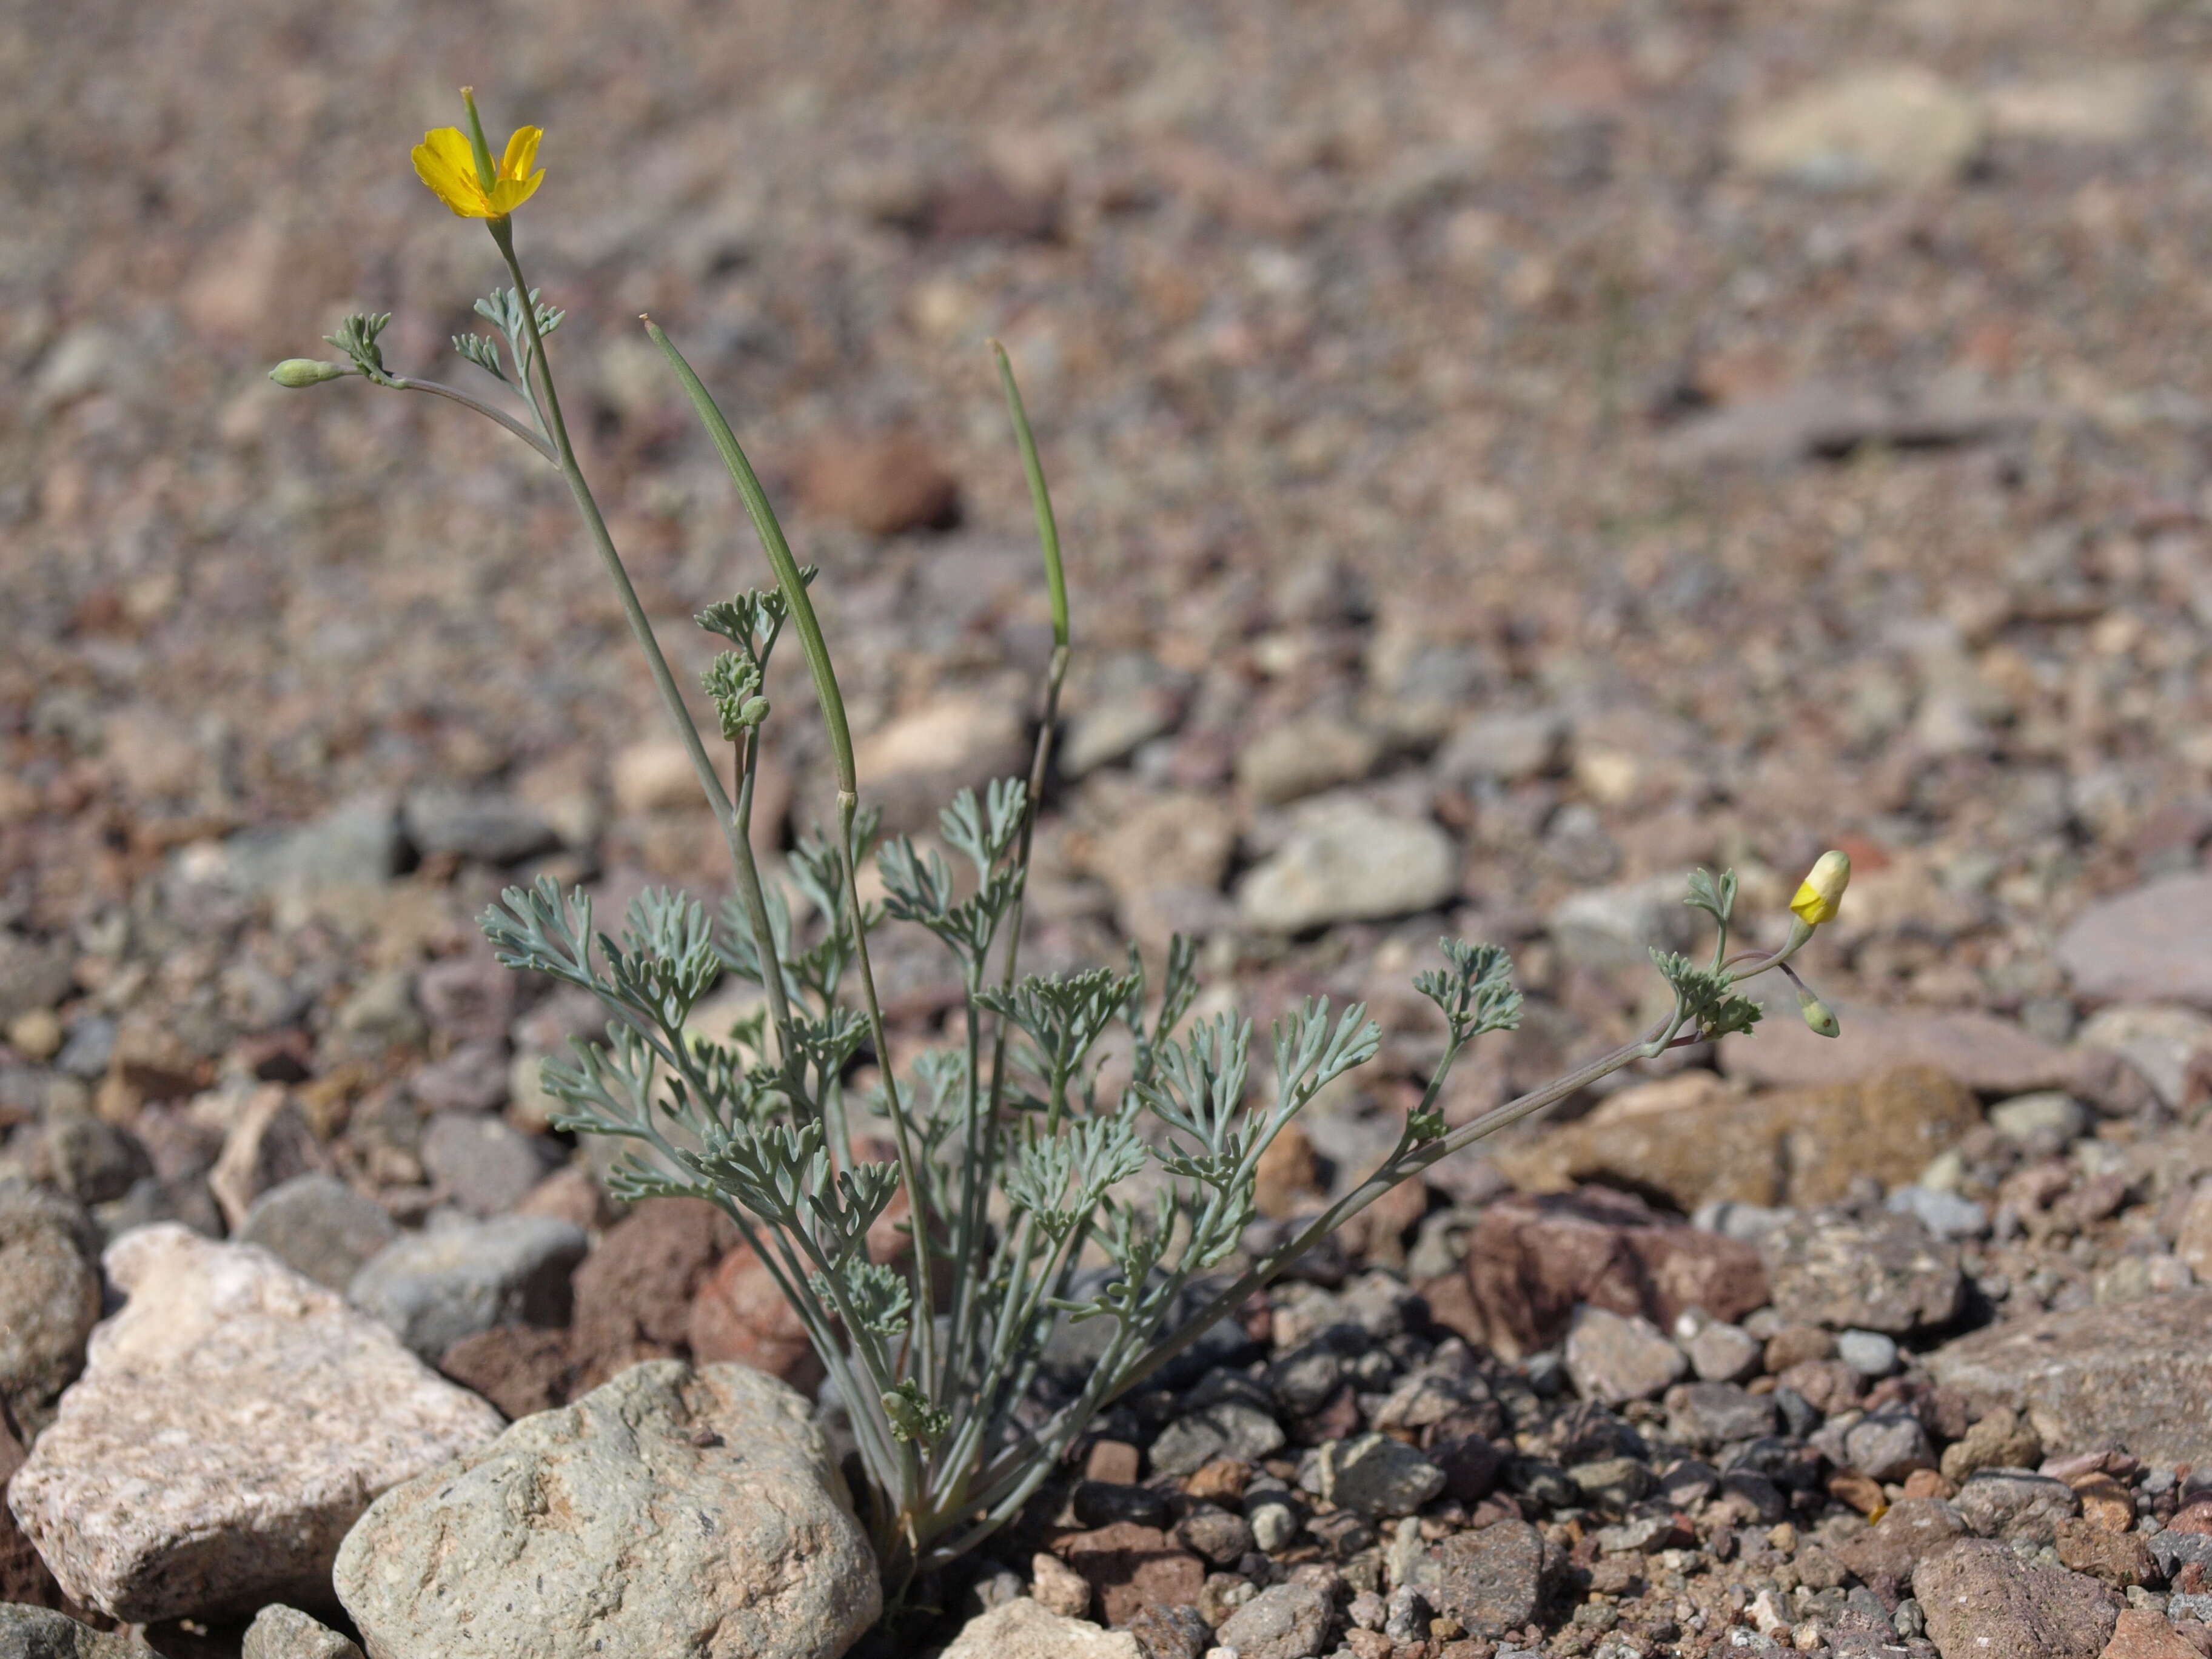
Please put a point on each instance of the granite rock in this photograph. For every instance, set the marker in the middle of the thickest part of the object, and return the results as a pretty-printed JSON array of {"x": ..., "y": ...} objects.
[{"x": 435, "y": 1288}]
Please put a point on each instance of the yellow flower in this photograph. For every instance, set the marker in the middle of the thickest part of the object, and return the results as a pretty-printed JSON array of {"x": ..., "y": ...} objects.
[
  {"x": 1822, "y": 891},
  {"x": 444, "y": 161}
]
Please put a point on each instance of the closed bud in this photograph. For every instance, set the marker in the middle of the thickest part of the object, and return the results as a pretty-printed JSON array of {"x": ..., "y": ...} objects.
[
  {"x": 1817, "y": 1015},
  {"x": 298, "y": 372},
  {"x": 1822, "y": 891}
]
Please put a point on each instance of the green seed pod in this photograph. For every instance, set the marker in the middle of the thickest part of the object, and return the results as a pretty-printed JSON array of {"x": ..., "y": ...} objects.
[
  {"x": 1819, "y": 1016},
  {"x": 754, "y": 712},
  {"x": 297, "y": 371}
]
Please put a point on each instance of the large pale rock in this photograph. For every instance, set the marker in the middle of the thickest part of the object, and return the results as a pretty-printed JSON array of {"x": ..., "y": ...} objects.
[
  {"x": 1798, "y": 1147},
  {"x": 2151, "y": 944},
  {"x": 1347, "y": 860},
  {"x": 2135, "y": 1373},
  {"x": 673, "y": 1510},
  {"x": 1899, "y": 124},
  {"x": 1988, "y": 1054},
  {"x": 233, "y": 1420},
  {"x": 1021, "y": 1629}
]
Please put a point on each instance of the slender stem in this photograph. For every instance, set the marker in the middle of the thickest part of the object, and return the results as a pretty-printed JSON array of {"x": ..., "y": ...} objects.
[{"x": 469, "y": 400}]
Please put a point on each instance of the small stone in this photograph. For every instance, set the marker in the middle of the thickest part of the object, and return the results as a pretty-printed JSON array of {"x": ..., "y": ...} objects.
[
  {"x": 33, "y": 976},
  {"x": 1172, "y": 1632},
  {"x": 435, "y": 1288},
  {"x": 769, "y": 1562},
  {"x": 92, "y": 1161},
  {"x": 2192, "y": 1243},
  {"x": 281, "y": 1632},
  {"x": 655, "y": 776},
  {"x": 1493, "y": 1582},
  {"x": 1611, "y": 1484},
  {"x": 1129, "y": 1566},
  {"x": 1377, "y": 1476},
  {"x": 1946, "y": 1215},
  {"x": 492, "y": 828},
  {"x": 474, "y": 1078},
  {"x": 1614, "y": 1358},
  {"x": 2015, "y": 1506},
  {"x": 267, "y": 1145},
  {"x": 1058, "y": 1588},
  {"x": 959, "y": 739},
  {"x": 1722, "y": 1353},
  {"x": 1505, "y": 748},
  {"x": 41, "y": 1633},
  {"x": 1870, "y": 1354},
  {"x": 485, "y": 1165},
  {"x": 1286, "y": 1622},
  {"x": 1998, "y": 1439},
  {"x": 49, "y": 1299},
  {"x": 1228, "y": 1429},
  {"x": 1888, "y": 1445},
  {"x": 319, "y": 1227},
  {"x": 1910, "y": 1531},
  {"x": 1884, "y": 1274},
  {"x": 2159, "y": 1040},
  {"x": 233, "y": 1422},
  {"x": 1274, "y": 1523},
  {"x": 2047, "y": 1121},
  {"x": 1347, "y": 860},
  {"x": 883, "y": 484},
  {"x": 1709, "y": 1415},
  {"x": 1898, "y": 125},
  {"x": 1221, "y": 1536},
  {"x": 1303, "y": 756},
  {"x": 2146, "y": 945},
  {"x": 739, "y": 1313},
  {"x": 1981, "y": 1598},
  {"x": 521, "y": 1368},
  {"x": 2120, "y": 1558},
  {"x": 1103, "y": 1502},
  {"x": 1023, "y": 1630},
  {"x": 35, "y": 1034}
]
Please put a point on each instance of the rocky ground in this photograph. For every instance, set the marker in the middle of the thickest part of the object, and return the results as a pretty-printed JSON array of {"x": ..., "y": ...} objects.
[{"x": 1509, "y": 456}]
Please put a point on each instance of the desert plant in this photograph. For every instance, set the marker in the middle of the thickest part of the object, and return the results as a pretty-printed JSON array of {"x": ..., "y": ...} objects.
[{"x": 1013, "y": 1155}]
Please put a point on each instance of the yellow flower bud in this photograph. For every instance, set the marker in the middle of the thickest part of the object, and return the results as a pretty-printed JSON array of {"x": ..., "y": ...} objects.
[
  {"x": 297, "y": 371},
  {"x": 1822, "y": 891}
]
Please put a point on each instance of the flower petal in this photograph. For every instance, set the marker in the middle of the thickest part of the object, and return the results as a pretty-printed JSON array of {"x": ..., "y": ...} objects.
[
  {"x": 511, "y": 193},
  {"x": 521, "y": 151},
  {"x": 452, "y": 178}
]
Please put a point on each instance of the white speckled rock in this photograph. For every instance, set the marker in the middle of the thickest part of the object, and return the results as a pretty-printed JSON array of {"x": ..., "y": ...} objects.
[
  {"x": 233, "y": 1421},
  {"x": 1021, "y": 1629},
  {"x": 671, "y": 1511}
]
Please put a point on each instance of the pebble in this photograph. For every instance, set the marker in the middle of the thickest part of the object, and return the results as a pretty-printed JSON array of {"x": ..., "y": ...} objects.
[
  {"x": 319, "y": 1227},
  {"x": 2159, "y": 1040},
  {"x": 1492, "y": 1581},
  {"x": 1945, "y": 1215},
  {"x": 435, "y": 1288},
  {"x": 1347, "y": 860},
  {"x": 268, "y": 1144},
  {"x": 1229, "y": 1429},
  {"x": 282, "y": 1632},
  {"x": 1021, "y": 1629},
  {"x": 2047, "y": 1121},
  {"x": 1709, "y": 1415},
  {"x": 1722, "y": 1353},
  {"x": 1892, "y": 124},
  {"x": 1998, "y": 1439},
  {"x": 1288, "y": 1621},
  {"x": 474, "y": 1078},
  {"x": 1884, "y": 1274},
  {"x": 1888, "y": 1445},
  {"x": 49, "y": 1298},
  {"x": 1611, "y": 1358},
  {"x": 2145, "y": 945},
  {"x": 492, "y": 828},
  {"x": 233, "y": 1421},
  {"x": 2015, "y": 1506},
  {"x": 769, "y": 1561},
  {"x": 1503, "y": 747},
  {"x": 1303, "y": 756},
  {"x": 1377, "y": 1476},
  {"x": 484, "y": 1165},
  {"x": 33, "y": 977},
  {"x": 29, "y": 1632},
  {"x": 1870, "y": 1354}
]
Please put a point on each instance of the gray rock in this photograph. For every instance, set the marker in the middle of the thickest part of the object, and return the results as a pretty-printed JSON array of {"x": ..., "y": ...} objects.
[
  {"x": 2150, "y": 945},
  {"x": 281, "y": 1632},
  {"x": 2015, "y": 1506},
  {"x": 1882, "y": 1274},
  {"x": 2173, "y": 1550},
  {"x": 532, "y": 1543},
  {"x": 2158, "y": 1041},
  {"x": 435, "y": 1288},
  {"x": 1179, "y": 1632},
  {"x": 233, "y": 1421},
  {"x": 1491, "y": 1581},
  {"x": 483, "y": 1164},
  {"x": 1502, "y": 748},
  {"x": 1869, "y": 1353},
  {"x": 90, "y": 1048},
  {"x": 90, "y": 1159},
  {"x": 1289, "y": 1621},
  {"x": 357, "y": 844},
  {"x": 1612, "y": 1483},
  {"x": 1615, "y": 1357},
  {"x": 49, "y": 1298},
  {"x": 1910, "y": 1530},
  {"x": 319, "y": 1227},
  {"x": 1021, "y": 1629},
  {"x": 1721, "y": 1352},
  {"x": 1304, "y": 756},
  {"x": 491, "y": 828},
  {"x": 1609, "y": 929},
  {"x": 1980, "y": 1598},
  {"x": 40, "y": 1633},
  {"x": 382, "y": 1012},
  {"x": 2135, "y": 1373},
  {"x": 1888, "y": 1445},
  {"x": 32, "y": 976},
  {"x": 1709, "y": 1415},
  {"x": 1348, "y": 860},
  {"x": 1946, "y": 1215},
  {"x": 474, "y": 1078},
  {"x": 1230, "y": 1428},
  {"x": 1376, "y": 1476}
]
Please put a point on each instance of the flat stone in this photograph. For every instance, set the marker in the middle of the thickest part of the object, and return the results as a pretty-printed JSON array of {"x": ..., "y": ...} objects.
[
  {"x": 2148, "y": 945},
  {"x": 475, "y": 1078},
  {"x": 1377, "y": 1476},
  {"x": 1020, "y": 1628},
  {"x": 1612, "y": 929},
  {"x": 1870, "y": 1354},
  {"x": 1615, "y": 1357},
  {"x": 1709, "y": 1415},
  {"x": 634, "y": 1293},
  {"x": 1130, "y": 1567},
  {"x": 2015, "y": 1506},
  {"x": 355, "y": 844},
  {"x": 1348, "y": 860},
  {"x": 1304, "y": 756},
  {"x": 49, "y": 1298},
  {"x": 1288, "y": 1621},
  {"x": 41, "y": 1633},
  {"x": 1981, "y": 1599},
  {"x": 435, "y": 1288},
  {"x": 1492, "y": 1581},
  {"x": 488, "y": 1166},
  {"x": 319, "y": 1227},
  {"x": 281, "y": 1632},
  {"x": 233, "y": 1420},
  {"x": 494, "y": 828},
  {"x": 739, "y": 1313},
  {"x": 33, "y": 976},
  {"x": 1722, "y": 1353},
  {"x": 1503, "y": 748},
  {"x": 2139, "y": 1633},
  {"x": 2159, "y": 1040},
  {"x": 1989, "y": 1055},
  {"x": 1230, "y": 1428},
  {"x": 1882, "y": 1274},
  {"x": 532, "y": 1543},
  {"x": 1998, "y": 1439},
  {"x": 2134, "y": 1373},
  {"x": 2047, "y": 1120},
  {"x": 1896, "y": 125},
  {"x": 1800, "y": 1146},
  {"x": 1888, "y": 1445}
]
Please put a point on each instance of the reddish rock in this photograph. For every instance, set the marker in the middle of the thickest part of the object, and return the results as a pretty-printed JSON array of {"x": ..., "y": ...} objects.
[
  {"x": 1910, "y": 1531},
  {"x": 1981, "y": 1598},
  {"x": 1287, "y": 1174},
  {"x": 521, "y": 1368},
  {"x": 2139, "y": 1633},
  {"x": 1130, "y": 1567},
  {"x": 634, "y": 1293},
  {"x": 1531, "y": 1260},
  {"x": 739, "y": 1313},
  {"x": 2117, "y": 1558},
  {"x": 883, "y": 484}
]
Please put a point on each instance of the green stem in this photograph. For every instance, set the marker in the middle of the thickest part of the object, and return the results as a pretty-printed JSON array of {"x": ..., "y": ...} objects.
[{"x": 537, "y": 441}]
